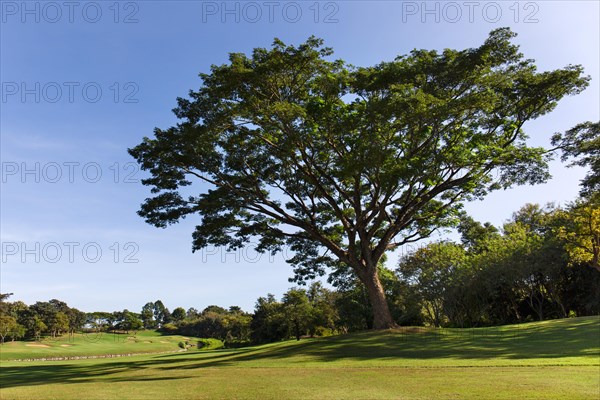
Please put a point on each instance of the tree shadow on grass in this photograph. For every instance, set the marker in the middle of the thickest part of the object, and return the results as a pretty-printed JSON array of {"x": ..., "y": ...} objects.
[
  {"x": 559, "y": 339},
  {"x": 571, "y": 339},
  {"x": 105, "y": 370},
  {"x": 66, "y": 373}
]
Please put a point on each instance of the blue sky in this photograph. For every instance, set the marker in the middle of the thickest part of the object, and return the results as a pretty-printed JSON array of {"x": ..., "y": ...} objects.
[{"x": 82, "y": 84}]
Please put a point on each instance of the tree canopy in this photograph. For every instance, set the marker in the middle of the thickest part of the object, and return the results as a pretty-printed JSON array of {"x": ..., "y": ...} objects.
[
  {"x": 580, "y": 229},
  {"x": 581, "y": 144},
  {"x": 343, "y": 163}
]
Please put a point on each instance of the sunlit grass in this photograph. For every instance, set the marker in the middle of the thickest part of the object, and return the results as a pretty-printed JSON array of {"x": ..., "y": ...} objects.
[
  {"x": 547, "y": 360},
  {"x": 93, "y": 344}
]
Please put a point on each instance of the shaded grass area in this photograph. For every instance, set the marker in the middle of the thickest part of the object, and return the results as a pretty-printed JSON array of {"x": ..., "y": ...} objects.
[{"x": 552, "y": 359}]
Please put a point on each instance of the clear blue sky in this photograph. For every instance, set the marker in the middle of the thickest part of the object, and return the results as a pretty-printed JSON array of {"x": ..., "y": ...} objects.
[{"x": 141, "y": 55}]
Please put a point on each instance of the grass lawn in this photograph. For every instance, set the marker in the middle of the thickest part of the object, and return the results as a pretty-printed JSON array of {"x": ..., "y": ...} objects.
[
  {"x": 93, "y": 344},
  {"x": 546, "y": 360}
]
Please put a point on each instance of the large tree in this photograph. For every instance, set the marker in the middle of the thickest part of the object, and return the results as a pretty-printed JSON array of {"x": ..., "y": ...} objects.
[{"x": 341, "y": 163}]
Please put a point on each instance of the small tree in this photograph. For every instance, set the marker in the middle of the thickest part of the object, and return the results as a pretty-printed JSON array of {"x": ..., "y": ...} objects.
[
  {"x": 192, "y": 313},
  {"x": 178, "y": 314},
  {"x": 324, "y": 313},
  {"x": 298, "y": 311},
  {"x": 147, "y": 315},
  {"x": 130, "y": 322},
  {"x": 77, "y": 319},
  {"x": 237, "y": 325},
  {"x": 159, "y": 310},
  {"x": 432, "y": 268},
  {"x": 268, "y": 321},
  {"x": 17, "y": 332},
  {"x": 38, "y": 327},
  {"x": 59, "y": 324},
  {"x": 8, "y": 325}
]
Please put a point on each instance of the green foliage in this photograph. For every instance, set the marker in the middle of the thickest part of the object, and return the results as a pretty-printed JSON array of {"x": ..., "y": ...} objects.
[
  {"x": 433, "y": 269},
  {"x": 324, "y": 317},
  {"x": 127, "y": 321},
  {"x": 100, "y": 320},
  {"x": 214, "y": 309},
  {"x": 4, "y": 296},
  {"x": 580, "y": 229},
  {"x": 527, "y": 270},
  {"x": 474, "y": 234},
  {"x": 161, "y": 313},
  {"x": 169, "y": 329},
  {"x": 237, "y": 324},
  {"x": 192, "y": 313},
  {"x": 231, "y": 325},
  {"x": 343, "y": 164},
  {"x": 298, "y": 311},
  {"x": 268, "y": 322},
  {"x": 8, "y": 325},
  {"x": 147, "y": 316},
  {"x": 301, "y": 312},
  {"x": 582, "y": 145},
  {"x": 53, "y": 317},
  {"x": 210, "y": 344},
  {"x": 60, "y": 323},
  {"x": 519, "y": 274},
  {"x": 178, "y": 314},
  {"x": 37, "y": 326}
]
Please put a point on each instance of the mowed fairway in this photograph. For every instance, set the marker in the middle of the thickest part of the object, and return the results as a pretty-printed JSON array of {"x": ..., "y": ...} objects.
[
  {"x": 546, "y": 360},
  {"x": 93, "y": 344}
]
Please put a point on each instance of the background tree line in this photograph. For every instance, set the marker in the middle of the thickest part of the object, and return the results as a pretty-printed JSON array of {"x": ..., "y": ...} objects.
[
  {"x": 530, "y": 269},
  {"x": 541, "y": 264}
]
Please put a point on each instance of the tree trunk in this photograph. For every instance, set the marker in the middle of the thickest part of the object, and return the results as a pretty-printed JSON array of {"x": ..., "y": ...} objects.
[
  {"x": 297, "y": 326},
  {"x": 382, "y": 318}
]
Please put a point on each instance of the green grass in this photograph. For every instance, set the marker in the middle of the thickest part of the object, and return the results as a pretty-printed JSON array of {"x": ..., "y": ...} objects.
[
  {"x": 96, "y": 345},
  {"x": 547, "y": 360}
]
